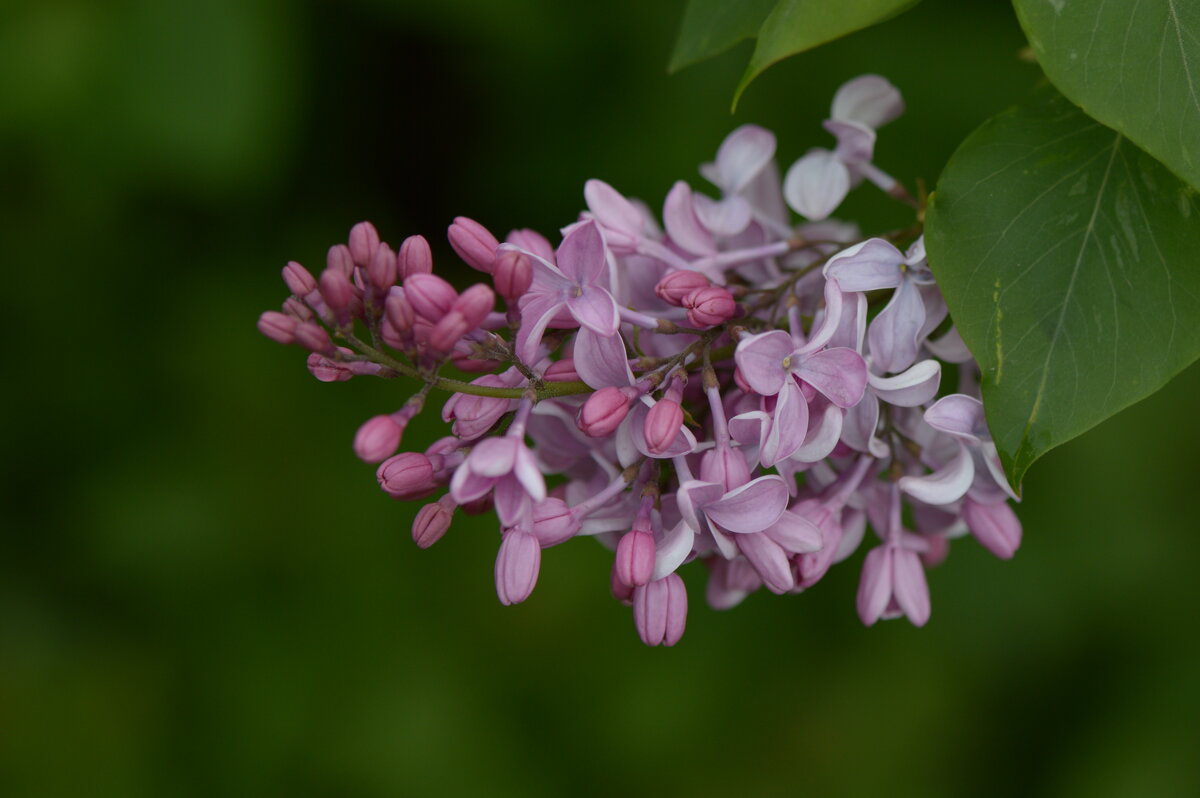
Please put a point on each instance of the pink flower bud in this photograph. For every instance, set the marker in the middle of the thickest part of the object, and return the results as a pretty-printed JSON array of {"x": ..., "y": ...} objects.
[
  {"x": 660, "y": 610},
  {"x": 553, "y": 522},
  {"x": 408, "y": 475},
  {"x": 710, "y": 305},
  {"x": 662, "y": 425},
  {"x": 517, "y": 566},
  {"x": 298, "y": 279},
  {"x": 675, "y": 286},
  {"x": 621, "y": 591},
  {"x": 603, "y": 412},
  {"x": 635, "y": 558},
  {"x": 364, "y": 240},
  {"x": 996, "y": 526},
  {"x": 473, "y": 243},
  {"x": 475, "y": 304},
  {"x": 431, "y": 523},
  {"x": 340, "y": 259},
  {"x": 382, "y": 269},
  {"x": 398, "y": 310},
  {"x": 337, "y": 291},
  {"x": 297, "y": 310},
  {"x": 429, "y": 295},
  {"x": 447, "y": 332},
  {"x": 277, "y": 326},
  {"x": 327, "y": 370},
  {"x": 512, "y": 275},
  {"x": 377, "y": 439},
  {"x": 532, "y": 241},
  {"x": 415, "y": 257},
  {"x": 313, "y": 337},
  {"x": 561, "y": 371}
]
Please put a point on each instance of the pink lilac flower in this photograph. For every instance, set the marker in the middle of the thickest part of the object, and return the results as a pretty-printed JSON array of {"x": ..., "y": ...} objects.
[{"x": 721, "y": 383}]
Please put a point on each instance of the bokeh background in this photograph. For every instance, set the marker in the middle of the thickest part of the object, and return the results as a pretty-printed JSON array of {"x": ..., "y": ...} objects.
[{"x": 203, "y": 593}]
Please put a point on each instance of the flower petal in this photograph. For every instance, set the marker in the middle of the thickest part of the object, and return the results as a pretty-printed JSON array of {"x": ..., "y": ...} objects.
[
  {"x": 760, "y": 359},
  {"x": 595, "y": 308},
  {"x": 996, "y": 526},
  {"x": 601, "y": 360},
  {"x": 958, "y": 415},
  {"x": 788, "y": 425},
  {"x": 822, "y": 438},
  {"x": 840, "y": 374},
  {"x": 751, "y": 508},
  {"x": 682, "y": 223},
  {"x": 855, "y": 141},
  {"x": 909, "y": 586},
  {"x": 893, "y": 333},
  {"x": 673, "y": 549},
  {"x": 948, "y": 484},
  {"x": 537, "y": 311},
  {"x": 913, "y": 387},
  {"x": 816, "y": 184},
  {"x": 868, "y": 266},
  {"x": 612, "y": 210},
  {"x": 875, "y": 585},
  {"x": 869, "y": 100},
  {"x": 795, "y": 533},
  {"x": 726, "y": 217},
  {"x": 742, "y": 155},
  {"x": 769, "y": 560}
]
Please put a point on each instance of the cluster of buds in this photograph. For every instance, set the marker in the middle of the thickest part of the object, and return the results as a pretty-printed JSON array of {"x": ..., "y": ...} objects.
[{"x": 729, "y": 386}]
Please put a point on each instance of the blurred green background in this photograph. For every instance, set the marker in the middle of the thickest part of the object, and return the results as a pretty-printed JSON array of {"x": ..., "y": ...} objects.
[{"x": 203, "y": 593}]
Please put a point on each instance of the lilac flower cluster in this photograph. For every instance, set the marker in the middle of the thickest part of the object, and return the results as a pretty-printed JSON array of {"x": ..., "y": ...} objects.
[{"x": 728, "y": 387}]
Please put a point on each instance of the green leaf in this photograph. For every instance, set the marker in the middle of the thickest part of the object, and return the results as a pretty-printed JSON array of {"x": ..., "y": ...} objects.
[
  {"x": 710, "y": 27},
  {"x": 1070, "y": 260},
  {"x": 798, "y": 25},
  {"x": 1135, "y": 66}
]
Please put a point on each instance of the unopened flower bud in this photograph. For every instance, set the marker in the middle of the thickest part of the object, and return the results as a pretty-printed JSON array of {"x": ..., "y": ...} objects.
[
  {"x": 298, "y": 279},
  {"x": 660, "y": 610},
  {"x": 431, "y": 523},
  {"x": 553, "y": 522},
  {"x": 561, "y": 371},
  {"x": 408, "y": 475},
  {"x": 337, "y": 291},
  {"x": 364, "y": 240},
  {"x": 277, "y": 326},
  {"x": 517, "y": 565},
  {"x": 635, "y": 558},
  {"x": 297, "y": 310},
  {"x": 382, "y": 269},
  {"x": 377, "y": 439},
  {"x": 327, "y": 370},
  {"x": 512, "y": 275},
  {"x": 603, "y": 412},
  {"x": 532, "y": 241},
  {"x": 313, "y": 337},
  {"x": 429, "y": 295},
  {"x": 340, "y": 259},
  {"x": 710, "y": 305},
  {"x": 398, "y": 310},
  {"x": 678, "y": 284},
  {"x": 621, "y": 591},
  {"x": 662, "y": 425},
  {"x": 466, "y": 314},
  {"x": 473, "y": 243},
  {"x": 414, "y": 257}
]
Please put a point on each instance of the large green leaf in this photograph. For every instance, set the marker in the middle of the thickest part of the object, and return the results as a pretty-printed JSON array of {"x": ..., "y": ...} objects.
[
  {"x": 1135, "y": 66},
  {"x": 782, "y": 27},
  {"x": 710, "y": 27},
  {"x": 1071, "y": 263},
  {"x": 798, "y": 25}
]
